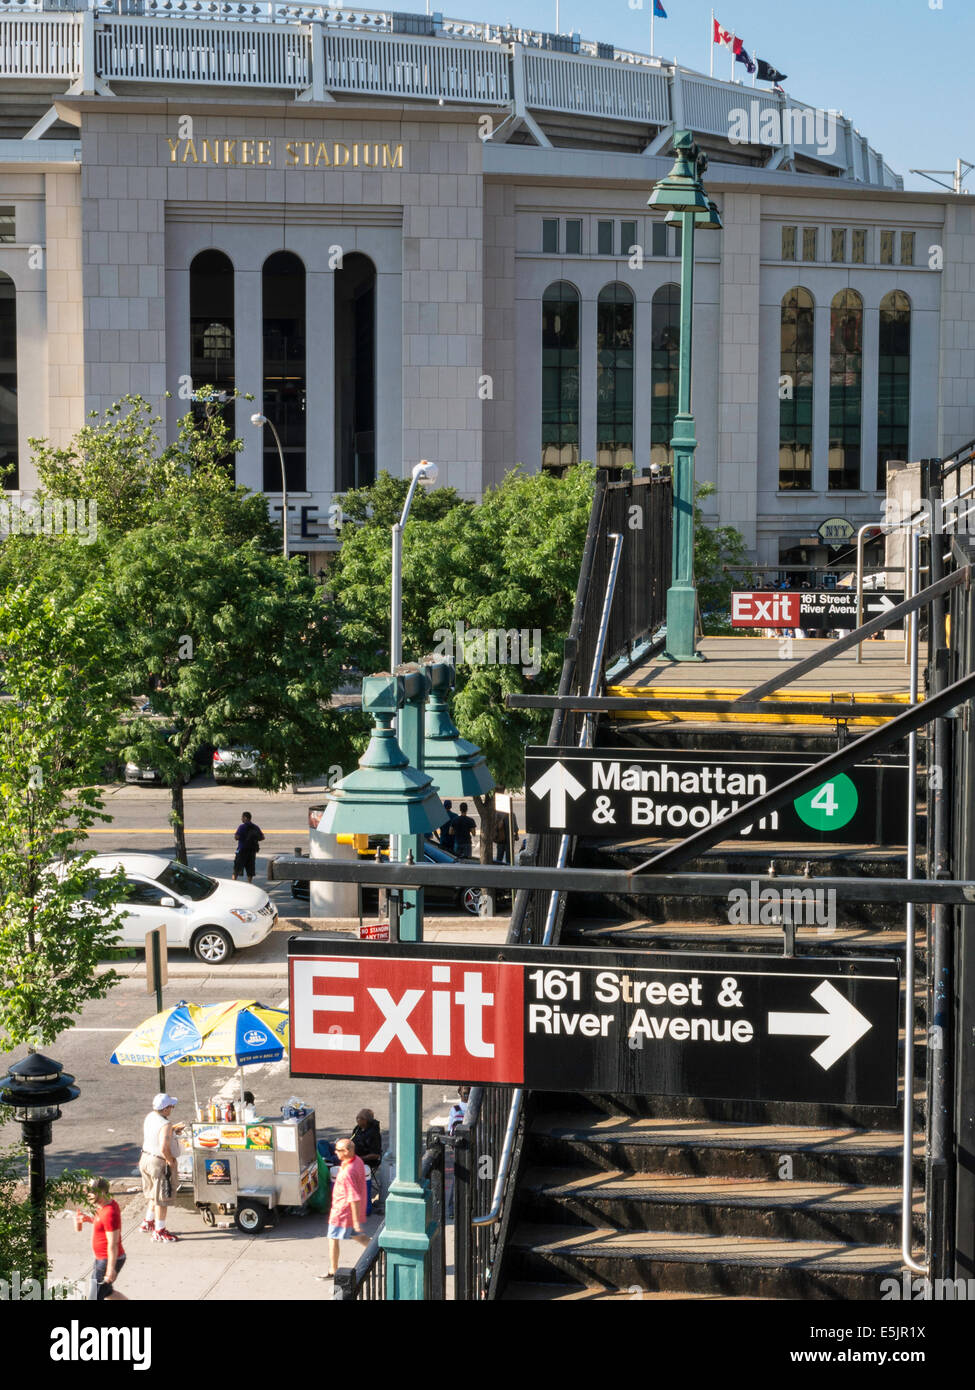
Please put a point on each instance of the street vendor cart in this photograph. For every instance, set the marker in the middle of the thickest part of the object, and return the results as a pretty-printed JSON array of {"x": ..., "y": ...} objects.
[{"x": 248, "y": 1169}]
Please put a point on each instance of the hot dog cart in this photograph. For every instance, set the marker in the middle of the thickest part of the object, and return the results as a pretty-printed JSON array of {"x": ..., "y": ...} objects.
[{"x": 247, "y": 1169}]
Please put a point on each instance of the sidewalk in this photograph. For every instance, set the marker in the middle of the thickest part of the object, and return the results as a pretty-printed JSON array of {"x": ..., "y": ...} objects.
[{"x": 205, "y": 1264}]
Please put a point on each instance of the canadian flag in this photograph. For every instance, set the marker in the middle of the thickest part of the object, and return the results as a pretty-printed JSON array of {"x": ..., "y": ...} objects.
[{"x": 724, "y": 36}]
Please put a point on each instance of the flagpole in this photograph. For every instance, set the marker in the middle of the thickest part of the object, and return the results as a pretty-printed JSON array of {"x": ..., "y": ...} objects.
[
  {"x": 711, "y": 37},
  {"x": 653, "y": 10}
]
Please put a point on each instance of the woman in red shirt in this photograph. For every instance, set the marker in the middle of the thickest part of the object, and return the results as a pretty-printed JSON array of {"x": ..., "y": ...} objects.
[{"x": 106, "y": 1241}]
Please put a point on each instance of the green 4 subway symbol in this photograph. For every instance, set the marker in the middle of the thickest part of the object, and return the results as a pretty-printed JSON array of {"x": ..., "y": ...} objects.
[{"x": 830, "y": 806}]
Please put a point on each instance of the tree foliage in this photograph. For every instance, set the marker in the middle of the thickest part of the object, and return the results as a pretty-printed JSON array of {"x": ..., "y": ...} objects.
[
  {"x": 17, "y": 1255},
  {"x": 61, "y": 683},
  {"x": 715, "y": 547}
]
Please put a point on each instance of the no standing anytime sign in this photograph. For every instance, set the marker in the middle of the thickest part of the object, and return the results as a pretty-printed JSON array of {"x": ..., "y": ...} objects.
[{"x": 727, "y": 1027}]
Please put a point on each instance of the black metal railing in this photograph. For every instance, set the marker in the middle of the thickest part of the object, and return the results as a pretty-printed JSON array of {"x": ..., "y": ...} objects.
[
  {"x": 639, "y": 510},
  {"x": 366, "y": 1282}
]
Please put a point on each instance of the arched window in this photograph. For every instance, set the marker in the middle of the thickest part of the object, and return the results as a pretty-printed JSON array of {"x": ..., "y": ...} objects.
[
  {"x": 664, "y": 370},
  {"x": 845, "y": 390},
  {"x": 560, "y": 374},
  {"x": 355, "y": 372},
  {"x": 893, "y": 382},
  {"x": 283, "y": 284},
  {"x": 212, "y": 331},
  {"x": 796, "y": 390},
  {"x": 9, "y": 454},
  {"x": 614, "y": 376}
]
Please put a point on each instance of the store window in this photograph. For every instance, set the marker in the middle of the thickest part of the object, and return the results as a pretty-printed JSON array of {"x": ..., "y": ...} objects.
[
  {"x": 550, "y": 236},
  {"x": 796, "y": 391},
  {"x": 560, "y": 374},
  {"x": 838, "y": 244},
  {"x": 859, "y": 256},
  {"x": 604, "y": 238},
  {"x": 845, "y": 390},
  {"x": 9, "y": 454},
  {"x": 893, "y": 382},
  {"x": 664, "y": 370},
  {"x": 788, "y": 243},
  {"x": 614, "y": 376},
  {"x": 283, "y": 285},
  {"x": 573, "y": 236},
  {"x": 810, "y": 241},
  {"x": 212, "y": 334},
  {"x": 907, "y": 248}
]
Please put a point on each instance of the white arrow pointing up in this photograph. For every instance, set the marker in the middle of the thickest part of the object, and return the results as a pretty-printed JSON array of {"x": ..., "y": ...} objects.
[
  {"x": 883, "y": 604},
  {"x": 555, "y": 783},
  {"x": 842, "y": 1025}
]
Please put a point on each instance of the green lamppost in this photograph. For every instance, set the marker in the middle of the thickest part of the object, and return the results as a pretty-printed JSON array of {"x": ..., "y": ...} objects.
[
  {"x": 390, "y": 792},
  {"x": 682, "y": 194}
]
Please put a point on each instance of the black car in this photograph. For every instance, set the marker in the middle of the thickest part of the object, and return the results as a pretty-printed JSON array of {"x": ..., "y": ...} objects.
[{"x": 467, "y": 898}]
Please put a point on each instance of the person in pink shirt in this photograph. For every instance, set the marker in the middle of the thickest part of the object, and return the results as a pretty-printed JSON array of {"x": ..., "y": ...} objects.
[{"x": 348, "y": 1203}]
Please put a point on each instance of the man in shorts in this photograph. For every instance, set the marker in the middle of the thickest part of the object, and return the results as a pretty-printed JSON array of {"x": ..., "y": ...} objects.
[
  {"x": 158, "y": 1165},
  {"x": 348, "y": 1210}
]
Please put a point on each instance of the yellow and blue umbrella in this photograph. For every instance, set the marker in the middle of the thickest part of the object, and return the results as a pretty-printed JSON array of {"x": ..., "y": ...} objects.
[
  {"x": 238, "y": 1033},
  {"x": 162, "y": 1039}
]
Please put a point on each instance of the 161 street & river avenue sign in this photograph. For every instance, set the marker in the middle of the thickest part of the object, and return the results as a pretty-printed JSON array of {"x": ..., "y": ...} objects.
[
  {"x": 810, "y": 609},
  {"x": 622, "y": 793},
  {"x": 730, "y": 1027}
]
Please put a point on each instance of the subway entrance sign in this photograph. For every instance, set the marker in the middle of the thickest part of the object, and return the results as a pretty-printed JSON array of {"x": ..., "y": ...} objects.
[
  {"x": 813, "y": 610},
  {"x": 622, "y": 793},
  {"x": 725, "y": 1027}
]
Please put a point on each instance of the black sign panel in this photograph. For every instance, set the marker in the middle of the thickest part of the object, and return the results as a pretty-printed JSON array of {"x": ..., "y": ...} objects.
[
  {"x": 730, "y": 1027},
  {"x": 662, "y": 794}
]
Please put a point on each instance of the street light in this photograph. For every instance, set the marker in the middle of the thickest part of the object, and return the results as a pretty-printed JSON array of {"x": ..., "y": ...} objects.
[
  {"x": 425, "y": 473},
  {"x": 37, "y": 1088},
  {"x": 682, "y": 195},
  {"x": 260, "y": 421}
]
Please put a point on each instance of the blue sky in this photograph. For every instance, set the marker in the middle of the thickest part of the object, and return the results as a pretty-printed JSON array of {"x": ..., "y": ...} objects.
[{"x": 899, "y": 69}]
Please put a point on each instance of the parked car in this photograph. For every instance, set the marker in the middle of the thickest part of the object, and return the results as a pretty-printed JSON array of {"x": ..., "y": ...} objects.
[
  {"x": 467, "y": 898},
  {"x": 212, "y": 917},
  {"x": 145, "y": 773},
  {"x": 234, "y": 764}
]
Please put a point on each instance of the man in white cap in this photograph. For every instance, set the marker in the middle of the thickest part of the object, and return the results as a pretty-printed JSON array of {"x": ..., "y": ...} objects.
[{"x": 158, "y": 1164}]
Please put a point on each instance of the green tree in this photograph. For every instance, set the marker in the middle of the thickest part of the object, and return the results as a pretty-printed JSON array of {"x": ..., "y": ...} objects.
[
  {"x": 714, "y": 548},
  {"x": 235, "y": 646},
  {"x": 509, "y": 564},
  {"x": 61, "y": 686},
  {"x": 17, "y": 1255}
]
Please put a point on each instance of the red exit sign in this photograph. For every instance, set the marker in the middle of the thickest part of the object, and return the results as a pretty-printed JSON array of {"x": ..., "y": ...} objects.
[
  {"x": 765, "y": 609},
  {"x": 407, "y": 1018}
]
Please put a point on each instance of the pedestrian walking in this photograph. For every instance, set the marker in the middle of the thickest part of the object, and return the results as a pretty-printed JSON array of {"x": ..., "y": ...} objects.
[
  {"x": 348, "y": 1209},
  {"x": 447, "y": 829},
  {"x": 248, "y": 836},
  {"x": 158, "y": 1165},
  {"x": 106, "y": 1241},
  {"x": 464, "y": 827}
]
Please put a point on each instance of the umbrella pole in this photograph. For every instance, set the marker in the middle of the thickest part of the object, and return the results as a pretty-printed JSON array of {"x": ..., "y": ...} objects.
[
  {"x": 196, "y": 1103},
  {"x": 240, "y": 1074}
]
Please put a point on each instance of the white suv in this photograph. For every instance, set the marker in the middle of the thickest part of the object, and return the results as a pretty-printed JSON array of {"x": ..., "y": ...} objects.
[{"x": 212, "y": 917}]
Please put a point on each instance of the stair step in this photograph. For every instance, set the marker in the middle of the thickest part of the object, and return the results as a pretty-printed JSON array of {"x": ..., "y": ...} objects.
[
  {"x": 718, "y": 1206},
  {"x": 722, "y": 1148},
  {"x": 690, "y": 1262},
  {"x": 595, "y": 1293}
]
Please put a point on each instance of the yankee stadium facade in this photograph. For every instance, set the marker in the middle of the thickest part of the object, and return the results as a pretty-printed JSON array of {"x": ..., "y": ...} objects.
[{"x": 410, "y": 237}]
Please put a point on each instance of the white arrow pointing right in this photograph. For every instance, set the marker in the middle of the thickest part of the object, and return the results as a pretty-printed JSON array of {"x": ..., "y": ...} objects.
[
  {"x": 842, "y": 1025},
  {"x": 554, "y": 784},
  {"x": 884, "y": 604}
]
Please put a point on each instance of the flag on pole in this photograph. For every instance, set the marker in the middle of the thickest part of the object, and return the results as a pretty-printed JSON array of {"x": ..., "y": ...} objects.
[
  {"x": 659, "y": 10},
  {"x": 766, "y": 72},
  {"x": 724, "y": 36},
  {"x": 741, "y": 56}
]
